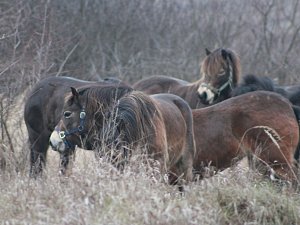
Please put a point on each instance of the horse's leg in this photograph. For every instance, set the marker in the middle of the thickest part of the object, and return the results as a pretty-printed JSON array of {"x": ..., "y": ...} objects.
[
  {"x": 280, "y": 162},
  {"x": 181, "y": 170},
  {"x": 285, "y": 171},
  {"x": 184, "y": 166},
  {"x": 67, "y": 159},
  {"x": 39, "y": 144}
]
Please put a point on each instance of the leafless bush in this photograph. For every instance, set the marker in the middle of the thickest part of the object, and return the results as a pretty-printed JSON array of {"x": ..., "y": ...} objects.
[{"x": 133, "y": 39}]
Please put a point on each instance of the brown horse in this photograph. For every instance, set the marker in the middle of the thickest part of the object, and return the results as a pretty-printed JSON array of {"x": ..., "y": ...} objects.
[
  {"x": 162, "y": 123},
  {"x": 220, "y": 71},
  {"x": 261, "y": 123},
  {"x": 43, "y": 110}
]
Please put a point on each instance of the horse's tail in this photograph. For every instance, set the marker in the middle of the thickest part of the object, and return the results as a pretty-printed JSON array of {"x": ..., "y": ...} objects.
[
  {"x": 184, "y": 163},
  {"x": 297, "y": 114},
  {"x": 251, "y": 83},
  {"x": 186, "y": 112}
]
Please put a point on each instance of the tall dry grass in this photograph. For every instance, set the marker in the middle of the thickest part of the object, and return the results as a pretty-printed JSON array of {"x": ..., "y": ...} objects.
[{"x": 97, "y": 193}]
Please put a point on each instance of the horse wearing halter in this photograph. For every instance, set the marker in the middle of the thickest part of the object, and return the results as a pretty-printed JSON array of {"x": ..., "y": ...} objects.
[
  {"x": 78, "y": 130},
  {"x": 229, "y": 82}
]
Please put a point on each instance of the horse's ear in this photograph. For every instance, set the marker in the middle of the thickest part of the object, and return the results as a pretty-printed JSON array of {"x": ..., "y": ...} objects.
[
  {"x": 207, "y": 51},
  {"x": 74, "y": 92},
  {"x": 224, "y": 53}
]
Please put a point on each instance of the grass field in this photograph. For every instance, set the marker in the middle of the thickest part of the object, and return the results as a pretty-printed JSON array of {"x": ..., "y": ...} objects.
[{"x": 96, "y": 193}]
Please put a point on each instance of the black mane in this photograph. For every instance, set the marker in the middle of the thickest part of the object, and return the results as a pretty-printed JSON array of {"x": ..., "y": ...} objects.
[{"x": 252, "y": 82}]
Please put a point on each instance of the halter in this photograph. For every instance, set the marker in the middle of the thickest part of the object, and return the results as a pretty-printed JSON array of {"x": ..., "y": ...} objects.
[
  {"x": 79, "y": 129},
  {"x": 217, "y": 91}
]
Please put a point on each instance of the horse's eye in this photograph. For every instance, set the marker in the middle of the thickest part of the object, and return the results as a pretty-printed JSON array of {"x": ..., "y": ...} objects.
[
  {"x": 221, "y": 73},
  {"x": 67, "y": 114}
]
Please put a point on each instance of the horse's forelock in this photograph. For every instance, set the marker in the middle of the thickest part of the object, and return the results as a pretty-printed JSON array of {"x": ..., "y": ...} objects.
[{"x": 212, "y": 63}]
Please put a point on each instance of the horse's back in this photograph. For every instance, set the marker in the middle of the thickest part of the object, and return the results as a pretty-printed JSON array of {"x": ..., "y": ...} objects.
[
  {"x": 158, "y": 84},
  {"x": 263, "y": 104},
  {"x": 47, "y": 96},
  {"x": 174, "y": 101},
  {"x": 45, "y": 101}
]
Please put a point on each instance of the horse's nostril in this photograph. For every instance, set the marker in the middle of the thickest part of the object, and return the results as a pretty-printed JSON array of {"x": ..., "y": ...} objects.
[
  {"x": 203, "y": 96},
  {"x": 52, "y": 146}
]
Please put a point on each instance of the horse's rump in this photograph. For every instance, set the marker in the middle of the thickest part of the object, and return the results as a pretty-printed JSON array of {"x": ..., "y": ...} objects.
[{"x": 263, "y": 123}]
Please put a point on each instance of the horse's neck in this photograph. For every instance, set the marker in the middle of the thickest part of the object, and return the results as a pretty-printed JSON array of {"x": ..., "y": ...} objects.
[
  {"x": 195, "y": 85},
  {"x": 189, "y": 93},
  {"x": 185, "y": 89},
  {"x": 223, "y": 97}
]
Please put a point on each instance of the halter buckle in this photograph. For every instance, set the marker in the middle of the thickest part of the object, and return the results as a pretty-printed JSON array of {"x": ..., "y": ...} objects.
[
  {"x": 82, "y": 115},
  {"x": 80, "y": 128},
  {"x": 62, "y": 134}
]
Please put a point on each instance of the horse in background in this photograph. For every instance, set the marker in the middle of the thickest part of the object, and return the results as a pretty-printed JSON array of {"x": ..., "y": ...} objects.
[
  {"x": 259, "y": 124},
  {"x": 43, "y": 110},
  {"x": 252, "y": 82},
  {"x": 220, "y": 71},
  {"x": 160, "y": 123}
]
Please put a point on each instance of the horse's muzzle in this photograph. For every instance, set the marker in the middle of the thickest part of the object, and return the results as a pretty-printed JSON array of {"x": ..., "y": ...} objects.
[
  {"x": 203, "y": 97},
  {"x": 56, "y": 142}
]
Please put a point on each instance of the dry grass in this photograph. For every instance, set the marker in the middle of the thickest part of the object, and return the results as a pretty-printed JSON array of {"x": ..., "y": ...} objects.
[{"x": 96, "y": 193}]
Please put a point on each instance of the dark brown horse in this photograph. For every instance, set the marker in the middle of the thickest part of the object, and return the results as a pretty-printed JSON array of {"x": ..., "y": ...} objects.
[
  {"x": 251, "y": 82},
  {"x": 162, "y": 123},
  {"x": 43, "y": 110},
  {"x": 260, "y": 123},
  {"x": 220, "y": 71}
]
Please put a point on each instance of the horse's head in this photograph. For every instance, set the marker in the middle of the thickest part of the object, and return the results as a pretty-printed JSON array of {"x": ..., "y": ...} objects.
[
  {"x": 220, "y": 71},
  {"x": 74, "y": 124},
  {"x": 83, "y": 117}
]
